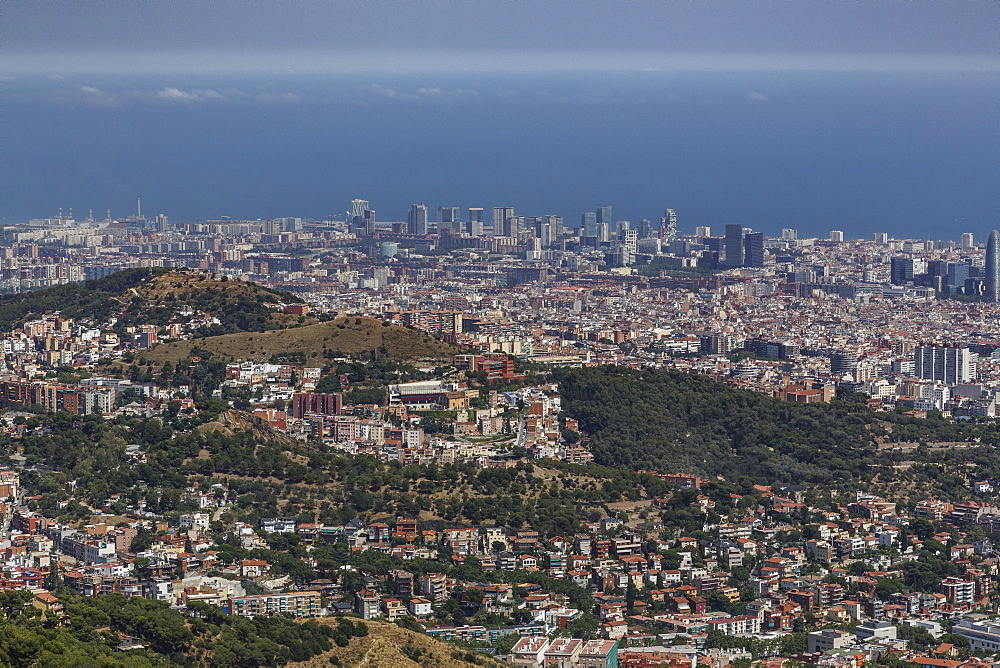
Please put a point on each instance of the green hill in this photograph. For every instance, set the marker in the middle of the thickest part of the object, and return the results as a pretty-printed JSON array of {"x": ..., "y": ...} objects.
[
  {"x": 152, "y": 296},
  {"x": 160, "y": 635},
  {"x": 670, "y": 421},
  {"x": 310, "y": 345},
  {"x": 389, "y": 645}
]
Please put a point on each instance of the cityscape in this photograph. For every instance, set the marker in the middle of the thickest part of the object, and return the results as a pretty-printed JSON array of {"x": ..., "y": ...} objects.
[
  {"x": 696, "y": 568},
  {"x": 550, "y": 334}
]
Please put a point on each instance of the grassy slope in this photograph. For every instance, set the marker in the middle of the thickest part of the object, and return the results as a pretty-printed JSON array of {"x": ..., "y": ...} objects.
[
  {"x": 380, "y": 648},
  {"x": 182, "y": 286},
  {"x": 401, "y": 343}
]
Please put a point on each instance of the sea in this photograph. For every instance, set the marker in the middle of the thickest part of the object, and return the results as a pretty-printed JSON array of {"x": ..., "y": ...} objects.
[{"x": 911, "y": 154}]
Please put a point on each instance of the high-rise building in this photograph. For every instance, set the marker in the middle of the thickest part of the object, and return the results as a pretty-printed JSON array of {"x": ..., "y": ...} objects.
[
  {"x": 603, "y": 233},
  {"x": 703, "y": 231},
  {"x": 968, "y": 242},
  {"x": 734, "y": 245},
  {"x": 669, "y": 223},
  {"x": 543, "y": 234},
  {"x": 630, "y": 240},
  {"x": 992, "y": 272},
  {"x": 843, "y": 362},
  {"x": 753, "y": 249},
  {"x": 362, "y": 216},
  {"x": 902, "y": 270},
  {"x": 448, "y": 216},
  {"x": 604, "y": 215},
  {"x": 958, "y": 273},
  {"x": 788, "y": 234},
  {"x": 513, "y": 226},
  {"x": 501, "y": 218},
  {"x": 475, "y": 221},
  {"x": 358, "y": 207},
  {"x": 645, "y": 228},
  {"x": 555, "y": 228},
  {"x": 836, "y": 235},
  {"x": 949, "y": 364},
  {"x": 880, "y": 238},
  {"x": 416, "y": 221},
  {"x": 588, "y": 221}
]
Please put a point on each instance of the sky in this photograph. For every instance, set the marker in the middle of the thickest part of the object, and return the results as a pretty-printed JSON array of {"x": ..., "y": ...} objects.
[
  {"x": 46, "y": 36},
  {"x": 836, "y": 114}
]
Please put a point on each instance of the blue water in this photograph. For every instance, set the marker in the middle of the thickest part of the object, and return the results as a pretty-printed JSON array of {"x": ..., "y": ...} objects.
[{"x": 914, "y": 155}]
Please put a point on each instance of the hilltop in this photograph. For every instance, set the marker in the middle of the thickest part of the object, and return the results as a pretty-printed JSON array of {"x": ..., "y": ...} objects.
[
  {"x": 389, "y": 645},
  {"x": 313, "y": 343},
  {"x": 153, "y": 296},
  {"x": 239, "y": 306}
]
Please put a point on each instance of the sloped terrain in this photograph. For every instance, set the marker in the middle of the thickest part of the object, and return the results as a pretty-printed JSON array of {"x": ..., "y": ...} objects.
[
  {"x": 388, "y": 645},
  {"x": 350, "y": 336}
]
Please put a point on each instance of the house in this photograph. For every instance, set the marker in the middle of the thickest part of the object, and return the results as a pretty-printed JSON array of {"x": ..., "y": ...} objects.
[
  {"x": 393, "y": 609},
  {"x": 254, "y": 569},
  {"x": 563, "y": 653},
  {"x": 599, "y": 654},
  {"x": 615, "y": 629},
  {"x": 420, "y": 607},
  {"x": 367, "y": 604},
  {"x": 278, "y": 524},
  {"x": 529, "y": 652}
]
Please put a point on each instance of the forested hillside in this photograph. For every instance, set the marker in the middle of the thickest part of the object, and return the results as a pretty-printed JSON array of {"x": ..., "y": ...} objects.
[
  {"x": 672, "y": 421},
  {"x": 150, "y": 296},
  {"x": 208, "y": 637},
  {"x": 95, "y": 299}
]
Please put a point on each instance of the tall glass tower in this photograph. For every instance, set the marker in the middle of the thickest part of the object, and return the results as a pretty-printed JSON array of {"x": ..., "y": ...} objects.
[
  {"x": 993, "y": 267},
  {"x": 416, "y": 222}
]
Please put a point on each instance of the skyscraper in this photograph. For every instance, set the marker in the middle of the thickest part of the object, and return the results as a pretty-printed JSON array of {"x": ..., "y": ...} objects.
[
  {"x": 588, "y": 221},
  {"x": 475, "y": 221},
  {"x": 669, "y": 223},
  {"x": 903, "y": 270},
  {"x": 645, "y": 228},
  {"x": 968, "y": 242},
  {"x": 734, "y": 245},
  {"x": 448, "y": 215},
  {"x": 993, "y": 267},
  {"x": 555, "y": 227},
  {"x": 604, "y": 215},
  {"x": 358, "y": 207},
  {"x": 789, "y": 234},
  {"x": 949, "y": 364},
  {"x": 416, "y": 221},
  {"x": 501, "y": 218},
  {"x": 603, "y": 233},
  {"x": 753, "y": 249},
  {"x": 630, "y": 240},
  {"x": 836, "y": 235},
  {"x": 513, "y": 225},
  {"x": 362, "y": 216}
]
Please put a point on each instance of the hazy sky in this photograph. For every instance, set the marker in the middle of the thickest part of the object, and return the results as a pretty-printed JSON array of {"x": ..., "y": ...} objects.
[{"x": 173, "y": 36}]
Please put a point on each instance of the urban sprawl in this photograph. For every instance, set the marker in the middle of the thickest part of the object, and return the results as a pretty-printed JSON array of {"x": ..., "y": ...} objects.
[{"x": 773, "y": 574}]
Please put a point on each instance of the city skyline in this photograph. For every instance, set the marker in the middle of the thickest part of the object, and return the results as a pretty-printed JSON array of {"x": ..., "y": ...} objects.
[{"x": 361, "y": 215}]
